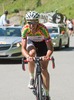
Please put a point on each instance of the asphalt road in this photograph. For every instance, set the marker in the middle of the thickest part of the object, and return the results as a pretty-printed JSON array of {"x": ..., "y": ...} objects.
[{"x": 14, "y": 81}]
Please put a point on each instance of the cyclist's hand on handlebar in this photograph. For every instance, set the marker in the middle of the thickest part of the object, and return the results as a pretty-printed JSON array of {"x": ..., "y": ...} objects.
[
  {"x": 30, "y": 59},
  {"x": 45, "y": 58}
]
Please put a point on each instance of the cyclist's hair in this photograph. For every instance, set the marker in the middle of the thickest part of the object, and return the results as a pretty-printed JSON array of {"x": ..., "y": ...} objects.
[{"x": 31, "y": 15}]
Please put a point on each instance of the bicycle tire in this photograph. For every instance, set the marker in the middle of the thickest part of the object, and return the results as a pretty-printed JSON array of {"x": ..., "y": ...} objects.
[{"x": 39, "y": 87}]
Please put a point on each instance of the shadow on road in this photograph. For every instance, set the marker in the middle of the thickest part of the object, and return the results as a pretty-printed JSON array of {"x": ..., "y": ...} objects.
[
  {"x": 65, "y": 49},
  {"x": 7, "y": 61}
]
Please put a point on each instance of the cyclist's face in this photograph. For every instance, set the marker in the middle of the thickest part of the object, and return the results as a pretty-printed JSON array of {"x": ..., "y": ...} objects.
[{"x": 33, "y": 24}]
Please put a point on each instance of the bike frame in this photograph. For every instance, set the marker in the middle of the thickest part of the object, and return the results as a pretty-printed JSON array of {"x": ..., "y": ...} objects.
[{"x": 38, "y": 82}]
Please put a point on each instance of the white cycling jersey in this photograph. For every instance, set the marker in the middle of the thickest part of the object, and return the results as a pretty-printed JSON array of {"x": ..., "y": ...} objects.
[{"x": 36, "y": 38}]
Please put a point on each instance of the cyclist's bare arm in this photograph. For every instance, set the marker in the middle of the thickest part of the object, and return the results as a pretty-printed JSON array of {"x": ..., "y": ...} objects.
[
  {"x": 41, "y": 59},
  {"x": 50, "y": 48},
  {"x": 24, "y": 51}
]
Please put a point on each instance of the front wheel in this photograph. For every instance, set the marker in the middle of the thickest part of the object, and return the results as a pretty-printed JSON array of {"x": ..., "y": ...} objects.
[{"x": 39, "y": 87}]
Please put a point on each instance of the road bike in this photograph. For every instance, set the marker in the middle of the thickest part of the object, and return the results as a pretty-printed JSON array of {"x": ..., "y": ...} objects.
[{"x": 38, "y": 89}]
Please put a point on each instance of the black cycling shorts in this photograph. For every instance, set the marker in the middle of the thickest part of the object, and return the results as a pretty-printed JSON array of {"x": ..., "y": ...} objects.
[{"x": 41, "y": 48}]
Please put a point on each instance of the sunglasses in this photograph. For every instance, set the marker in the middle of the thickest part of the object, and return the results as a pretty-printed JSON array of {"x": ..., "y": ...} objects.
[{"x": 32, "y": 22}]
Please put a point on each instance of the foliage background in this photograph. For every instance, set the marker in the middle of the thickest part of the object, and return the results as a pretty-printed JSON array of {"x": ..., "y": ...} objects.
[{"x": 14, "y": 6}]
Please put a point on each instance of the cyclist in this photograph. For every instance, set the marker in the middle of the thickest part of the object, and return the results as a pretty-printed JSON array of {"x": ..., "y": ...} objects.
[{"x": 36, "y": 41}]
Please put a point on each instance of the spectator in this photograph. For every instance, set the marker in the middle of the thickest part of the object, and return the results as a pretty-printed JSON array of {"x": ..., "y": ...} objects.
[
  {"x": 3, "y": 19},
  {"x": 73, "y": 25},
  {"x": 69, "y": 26}
]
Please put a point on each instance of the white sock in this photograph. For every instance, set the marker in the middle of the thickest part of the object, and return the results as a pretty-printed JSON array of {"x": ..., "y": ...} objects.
[
  {"x": 31, "y": 75},
  {"x": 46, "y": 92}
]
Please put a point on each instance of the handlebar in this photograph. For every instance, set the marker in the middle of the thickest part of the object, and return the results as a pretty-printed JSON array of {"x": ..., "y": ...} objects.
[{"x": 38, "y": 59}]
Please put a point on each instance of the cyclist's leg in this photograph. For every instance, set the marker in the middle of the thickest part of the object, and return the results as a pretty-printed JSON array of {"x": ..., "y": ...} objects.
[
  {"x": 46, "y": 76},
  {"x": 46, "y": 80},
  {"x": 32, "y": 52},
  {"x": 31, "y": 66}
]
